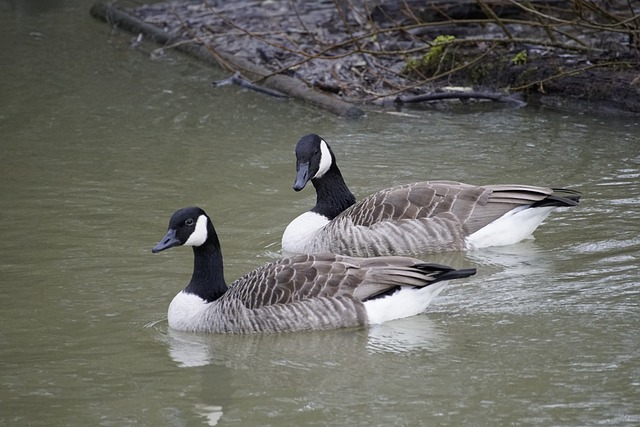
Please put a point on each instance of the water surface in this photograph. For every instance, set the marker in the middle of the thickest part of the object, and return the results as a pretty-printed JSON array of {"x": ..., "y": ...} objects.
[{"x": 101, "y": 143}]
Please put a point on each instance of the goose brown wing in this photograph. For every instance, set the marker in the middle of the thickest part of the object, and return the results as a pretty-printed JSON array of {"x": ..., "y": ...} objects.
[
  {"x": 365, "y": 279},
  {"x": 414, "y": 218},
  {"x": 386, "y": 273},
  {"x": 416, "y": 201},
  {"x": 471, "y": 206},
  {"x": 329, "y": 276},
  {"x": 504, "y": 198},
  {"x": 296, "y": 278}
]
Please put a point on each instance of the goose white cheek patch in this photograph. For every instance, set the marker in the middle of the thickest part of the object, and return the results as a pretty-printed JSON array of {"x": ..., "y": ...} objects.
[
  {"x": 199, "y": 235},
  {"x": 325, "y": 160}
]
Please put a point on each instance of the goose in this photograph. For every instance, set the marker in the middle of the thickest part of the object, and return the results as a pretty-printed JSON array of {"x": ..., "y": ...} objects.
[
  {"x": 416, "y": 218},
  {"x": 303, "y": 292}
]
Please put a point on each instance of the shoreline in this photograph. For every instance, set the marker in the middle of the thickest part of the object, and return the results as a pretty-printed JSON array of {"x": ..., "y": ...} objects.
[{"x": 341, "y": 61}]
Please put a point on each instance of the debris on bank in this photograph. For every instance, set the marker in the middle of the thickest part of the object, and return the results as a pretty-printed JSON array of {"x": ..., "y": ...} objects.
[{"x": 579, "y": 55}]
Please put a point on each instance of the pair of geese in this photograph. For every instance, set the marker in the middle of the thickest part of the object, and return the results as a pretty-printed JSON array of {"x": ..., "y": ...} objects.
[{"x": 347, "y": 269}]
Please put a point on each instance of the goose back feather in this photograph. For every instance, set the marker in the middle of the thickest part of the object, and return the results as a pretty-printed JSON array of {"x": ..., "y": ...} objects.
[{"x": 303, "y": 292}]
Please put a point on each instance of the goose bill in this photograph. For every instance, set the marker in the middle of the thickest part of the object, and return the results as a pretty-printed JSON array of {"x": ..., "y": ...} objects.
[
  {"x": 302, "y": 176},
  {"x": 168, "y": 241}
]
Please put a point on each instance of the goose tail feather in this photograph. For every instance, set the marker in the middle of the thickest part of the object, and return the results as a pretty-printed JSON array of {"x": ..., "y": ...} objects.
[
  {"x": 564, "y": 198},
  {"x": 442, "y": 272}
]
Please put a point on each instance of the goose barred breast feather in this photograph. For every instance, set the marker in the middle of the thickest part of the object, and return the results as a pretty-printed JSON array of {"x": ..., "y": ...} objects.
[
  {"x": 417, "y": 218},
  {"x": 303, "y": 292}
]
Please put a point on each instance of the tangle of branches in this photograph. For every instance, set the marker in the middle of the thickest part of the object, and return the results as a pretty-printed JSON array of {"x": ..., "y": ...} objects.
[{"x": 368, "y": 51}]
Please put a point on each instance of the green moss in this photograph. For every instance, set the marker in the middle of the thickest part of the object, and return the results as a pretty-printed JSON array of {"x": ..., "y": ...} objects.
[
  {"x": 438, "y": 49},
  {"x": 520, "y": 58},
  {"x": 434, "y": 59}
]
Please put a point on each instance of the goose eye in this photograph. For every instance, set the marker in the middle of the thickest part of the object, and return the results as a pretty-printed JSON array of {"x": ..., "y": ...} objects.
[{"x": 189, "y": 222}]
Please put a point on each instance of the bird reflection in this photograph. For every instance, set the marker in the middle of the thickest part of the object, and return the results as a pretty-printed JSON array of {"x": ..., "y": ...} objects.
[
  {"x": 418, "y": 333},
  {"x": 520, "y": 259},
  {"x": 189, "y": 350}
]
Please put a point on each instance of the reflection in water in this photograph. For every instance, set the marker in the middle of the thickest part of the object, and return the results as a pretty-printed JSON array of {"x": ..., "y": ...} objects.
[
  {"x": 190, "y": 350},
  {"x": 521, "y": 259},
  {"x": 100, "y": 143},
  {"x": 211, "y": 413},
  {"x": 316, "y": 361},
  {"x": 416, "y": 333}
]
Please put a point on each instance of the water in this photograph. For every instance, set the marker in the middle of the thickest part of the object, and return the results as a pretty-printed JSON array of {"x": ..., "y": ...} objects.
[{"x": 101, "y": 143}]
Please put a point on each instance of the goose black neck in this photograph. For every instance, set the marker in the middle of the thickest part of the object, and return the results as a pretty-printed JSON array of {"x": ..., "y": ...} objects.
[
  {"x": 333, "y": 195},
  {"x": 207, "y": 280}
]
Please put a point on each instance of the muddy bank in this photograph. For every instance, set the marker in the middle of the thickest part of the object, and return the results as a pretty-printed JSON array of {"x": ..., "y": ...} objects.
[{"x": 578, "y": 56}]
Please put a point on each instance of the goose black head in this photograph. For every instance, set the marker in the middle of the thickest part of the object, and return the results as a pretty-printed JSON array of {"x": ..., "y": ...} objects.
[
  {"x": 313, "y": 159},
  {"x": 187, "y": 227}
]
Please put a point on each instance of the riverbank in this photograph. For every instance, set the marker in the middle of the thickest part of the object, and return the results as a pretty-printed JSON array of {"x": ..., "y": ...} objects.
[{"x": 344, "y": 58}]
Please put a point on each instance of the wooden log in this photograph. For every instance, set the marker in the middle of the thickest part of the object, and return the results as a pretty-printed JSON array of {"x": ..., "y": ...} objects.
[
  {"x": 289, "y": 86},
  {"x": 438, "y": 96}
]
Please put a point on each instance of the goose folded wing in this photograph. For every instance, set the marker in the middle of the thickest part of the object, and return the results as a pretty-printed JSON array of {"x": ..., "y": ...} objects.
[
  {"x": 416, "y": 201},
  {"x": 297, "y": 278}
]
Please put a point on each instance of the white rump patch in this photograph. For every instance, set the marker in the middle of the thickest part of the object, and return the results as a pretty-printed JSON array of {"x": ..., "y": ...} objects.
[
  {"x": 300, "y": 233},
  {"x": 325, "y": 159},
  {"x": 406, "y": 302},
  {"x": 185, "y": 311},
  {"x": 514, "y": 226},
  {"x": 199, "y": 235}
]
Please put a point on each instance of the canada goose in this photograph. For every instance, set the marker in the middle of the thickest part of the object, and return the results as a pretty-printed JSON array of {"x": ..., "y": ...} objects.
[
  {"x": 416, "y": 218},
  {"x": 322, "y": 291}
]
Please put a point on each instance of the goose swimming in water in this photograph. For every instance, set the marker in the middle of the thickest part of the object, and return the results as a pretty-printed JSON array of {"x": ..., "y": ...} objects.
[
  {"x": 304, "y": 292},
  {"x": 418, "y": 218}
]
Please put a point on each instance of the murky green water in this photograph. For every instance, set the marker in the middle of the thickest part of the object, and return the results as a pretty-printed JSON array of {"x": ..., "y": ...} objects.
[{"x": 101, "y": 143}]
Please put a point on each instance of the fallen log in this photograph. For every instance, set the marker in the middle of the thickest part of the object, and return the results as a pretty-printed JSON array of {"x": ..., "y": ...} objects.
[
  {"x": 289, "y": 86},
  {"x": 438, "y": 96}
]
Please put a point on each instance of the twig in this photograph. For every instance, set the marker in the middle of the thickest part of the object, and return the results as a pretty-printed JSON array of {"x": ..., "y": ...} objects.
[
  {"x": 434, "y": 78},
  {"x": 571, "y": 72},
  {"x": 237, "y": 79},
  {"x": 219, "y": 59},
  {"x": 490, "y": 13}
]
